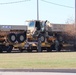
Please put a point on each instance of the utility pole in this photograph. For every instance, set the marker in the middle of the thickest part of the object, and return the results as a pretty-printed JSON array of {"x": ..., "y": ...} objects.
[
  {"x": 37, "y": 9},
  {"x": 75, "y": 13},
  {"x": 39, "y": 39},
  {"x": 75, "y": 28}
]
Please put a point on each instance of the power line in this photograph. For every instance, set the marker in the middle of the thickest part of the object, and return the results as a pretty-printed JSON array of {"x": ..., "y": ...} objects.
[
  {"x": 57, "y": 4},
  {"x": 14, "y": 2}
]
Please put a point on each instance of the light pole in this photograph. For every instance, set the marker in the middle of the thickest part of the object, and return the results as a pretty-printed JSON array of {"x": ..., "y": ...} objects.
[{"x": 37, "y": 9}]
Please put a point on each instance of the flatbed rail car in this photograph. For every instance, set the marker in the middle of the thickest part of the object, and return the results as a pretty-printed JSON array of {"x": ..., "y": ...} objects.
[
  {"x": 53, "y": 36},
  {"x": 11, "y": 35}
]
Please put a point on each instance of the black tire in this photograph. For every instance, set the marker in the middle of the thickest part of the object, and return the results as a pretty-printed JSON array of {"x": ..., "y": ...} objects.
[
  {"x": 12, "y": 37},
  {"x": 21, "y": 37},
  {"x": 42, "y": 38}
]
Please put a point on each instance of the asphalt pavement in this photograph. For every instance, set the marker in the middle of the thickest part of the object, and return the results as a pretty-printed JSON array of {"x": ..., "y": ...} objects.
[
  {"x": 40, "y": 70},
  {"x": 34, "y": 73}
]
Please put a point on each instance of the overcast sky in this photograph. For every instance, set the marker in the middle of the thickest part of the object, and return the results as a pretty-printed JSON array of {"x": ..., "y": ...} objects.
[{"x": 56, "y": 11}]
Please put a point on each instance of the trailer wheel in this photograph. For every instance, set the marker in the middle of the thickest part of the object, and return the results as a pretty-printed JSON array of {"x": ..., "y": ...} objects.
[
  {"x": 12, "y": 37},
  {"x": 21, "y": 37}
]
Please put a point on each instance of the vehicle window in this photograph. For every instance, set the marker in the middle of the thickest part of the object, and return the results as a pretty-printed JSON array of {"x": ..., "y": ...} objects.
[
  {"x": 43, "y": 26},
  {"x": 38, "y": 25},
  {"x": 31, "y": 24}
]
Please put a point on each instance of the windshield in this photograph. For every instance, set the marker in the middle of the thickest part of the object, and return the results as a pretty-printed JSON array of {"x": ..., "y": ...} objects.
[
  {"x": 43, "y": 26},
  {"x": 31, "y": 24}
]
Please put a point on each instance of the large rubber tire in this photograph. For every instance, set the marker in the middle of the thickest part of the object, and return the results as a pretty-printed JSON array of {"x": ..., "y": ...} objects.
[
  {"x": 42, "y": 37},
  {"x": 21, "y": 37},
  {"x": 12, "y": 37}
]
